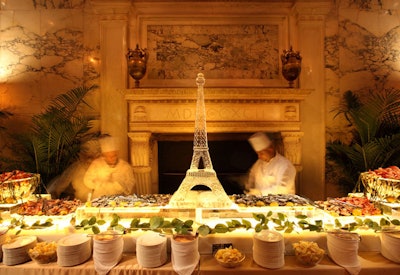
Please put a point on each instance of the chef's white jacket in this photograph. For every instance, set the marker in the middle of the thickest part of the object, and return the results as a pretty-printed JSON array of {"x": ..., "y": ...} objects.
[
  {"x": 107, "y": 180},
  {"x": 274, "y": 177}
]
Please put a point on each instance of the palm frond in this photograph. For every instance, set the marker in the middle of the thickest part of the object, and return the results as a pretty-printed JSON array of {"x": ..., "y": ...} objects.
[
  {"x": 3, "y": 115},
  {"x": 390, "y": 151},
  {"x": 56, "y": 135},
  {"x": 350, "y": 101},
  {"x": 68, "y": 103},
  {"x": 376, "y": 139}
]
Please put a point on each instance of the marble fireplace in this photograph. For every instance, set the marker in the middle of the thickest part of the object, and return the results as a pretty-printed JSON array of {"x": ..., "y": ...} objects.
[
  {"x": 237, "y": 103},
  {"x": 168, "y": 114}
]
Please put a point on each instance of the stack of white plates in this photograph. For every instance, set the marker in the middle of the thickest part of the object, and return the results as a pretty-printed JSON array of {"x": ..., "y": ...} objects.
[
  {"x": 390, "y": 245},
  {"x": 269, "y": 249},
  {"x": 16, "y": 252},
  {"x": 3, "y": 236},
  {"x": 74, "y": 249},
  {"x": 151, "y": 250},
  {"x": 185, "y": 254},
  {"x": 107, "y": 251}
]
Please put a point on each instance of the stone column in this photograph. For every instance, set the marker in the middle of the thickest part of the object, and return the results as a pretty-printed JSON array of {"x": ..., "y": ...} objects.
[
  {"x": 293, "y": 151},
  {"x": 292, "y": 147},
  {"x": 113, "y": 16},
  {"x": 140, "y": 156},
  {"x": 310, "y": 23}
]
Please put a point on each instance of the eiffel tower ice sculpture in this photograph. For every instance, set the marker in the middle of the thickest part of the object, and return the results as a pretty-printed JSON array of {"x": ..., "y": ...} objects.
[{"x": 185, "y": 197}]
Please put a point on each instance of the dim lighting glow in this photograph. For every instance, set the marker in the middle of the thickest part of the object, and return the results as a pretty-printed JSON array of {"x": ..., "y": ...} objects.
[
  {"x": 5, "y": 65},
  {"x": 4, "y": 73}
]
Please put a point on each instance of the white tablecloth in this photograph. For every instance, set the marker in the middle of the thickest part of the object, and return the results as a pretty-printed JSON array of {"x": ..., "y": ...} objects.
[{"x": 372, "y": 263}]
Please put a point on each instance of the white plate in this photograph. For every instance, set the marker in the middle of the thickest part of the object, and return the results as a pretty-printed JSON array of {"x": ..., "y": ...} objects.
[
  {"x": 20, "y": 242},
  {"x": 73, "y": 240}
]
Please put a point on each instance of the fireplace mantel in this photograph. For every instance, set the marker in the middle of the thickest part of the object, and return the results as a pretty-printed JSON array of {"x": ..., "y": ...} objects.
[{"x": 170, "y": 111}]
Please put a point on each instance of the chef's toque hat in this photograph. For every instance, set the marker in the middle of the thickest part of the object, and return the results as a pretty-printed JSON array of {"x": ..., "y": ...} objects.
[
  {"x": 108, "y": 144},
  {"x": 90, "y": 148},
  {"x": 259, "y": 141}
]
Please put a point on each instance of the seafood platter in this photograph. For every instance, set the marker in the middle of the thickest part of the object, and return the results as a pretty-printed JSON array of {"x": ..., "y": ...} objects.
[
  {"x": 382, "y": 184},
  {"x": 145, "y": 206},
  {"x": 16, "y": 186}
]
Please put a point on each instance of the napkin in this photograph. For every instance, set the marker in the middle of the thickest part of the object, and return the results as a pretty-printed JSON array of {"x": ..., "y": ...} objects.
[
  {"x": 107, "y": 254},
  {"x": 343, "y": 250},
  {"x": 184, "y": 256}
]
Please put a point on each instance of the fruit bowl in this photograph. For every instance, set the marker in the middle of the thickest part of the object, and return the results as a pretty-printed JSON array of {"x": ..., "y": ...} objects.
[{"x": 229, "y": 257}]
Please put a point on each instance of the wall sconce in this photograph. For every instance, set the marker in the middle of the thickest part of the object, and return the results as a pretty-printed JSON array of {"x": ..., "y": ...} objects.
[
  {"x": 137, "y": 61},
  {"x": 291, "y": 65}
]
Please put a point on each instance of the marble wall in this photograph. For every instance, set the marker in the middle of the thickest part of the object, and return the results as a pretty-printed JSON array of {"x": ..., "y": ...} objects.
[
  {"x": 46, "y": 48},
  {"x": 50, "y": 46},
  {"x": 362, "y": 52}
]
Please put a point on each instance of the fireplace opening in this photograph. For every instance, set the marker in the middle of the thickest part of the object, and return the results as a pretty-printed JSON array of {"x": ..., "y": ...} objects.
[{"x": 231, "y": 158}]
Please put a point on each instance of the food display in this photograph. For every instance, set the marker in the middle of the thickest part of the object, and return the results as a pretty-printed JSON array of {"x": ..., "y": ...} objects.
[
  {"x": 48, "y": 207},
  {"x": 349, "y": 206},
  {"x": 382, "y": 183},
  {"x": 150, "y": 205},
  {"x": 304, "y": 232},
  {"x": 308, "y": 253},
  {"x": 44, "y": 252},
  {"x": 245, "y": 200},
  {"x": 229, "y": 257},
  {"x": 152, "y": 200},
  {"x": 17, "y": 185},
  {"x": 391, "y": 172},
  {"x": 160, "y": 200}
]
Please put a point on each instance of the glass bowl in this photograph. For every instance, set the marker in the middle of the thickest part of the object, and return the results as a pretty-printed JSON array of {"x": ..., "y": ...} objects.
[
  {"x": 231, "y": 264},
  {"x": 309, "y": 261},
  {"x": 308, "y": 253},
  {"x": 43, "y": 252},
  {"x": 229, "y": 257}
]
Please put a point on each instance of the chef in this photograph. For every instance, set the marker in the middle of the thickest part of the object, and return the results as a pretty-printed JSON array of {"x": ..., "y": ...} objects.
[
  {"x": 272, "y": 173},
  {"x": 108, "y": 174},
  {"x": 70, "y": 184}
]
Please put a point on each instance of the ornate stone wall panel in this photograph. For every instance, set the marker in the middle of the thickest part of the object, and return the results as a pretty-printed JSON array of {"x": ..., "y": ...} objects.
[{"x": 235, "y": 49}]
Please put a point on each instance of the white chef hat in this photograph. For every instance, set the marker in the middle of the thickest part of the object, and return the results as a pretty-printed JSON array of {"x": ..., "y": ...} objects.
[
  {"x": 90, "y": 148},
  {"x": 260, "y": 141},
  {"x": 108, "y": 144}
]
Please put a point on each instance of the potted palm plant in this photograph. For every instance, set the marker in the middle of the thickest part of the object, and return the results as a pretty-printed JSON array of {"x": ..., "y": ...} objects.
[
  {"x": 55, "y": 137},
  {"x": 4, "y": 114},
  {"x": 374, "y": 122}
]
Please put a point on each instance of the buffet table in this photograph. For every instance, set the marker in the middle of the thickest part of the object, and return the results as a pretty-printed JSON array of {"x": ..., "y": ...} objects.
[
  {"x": 372, "y": 263},
  {"x": 297, "y": 220}
]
